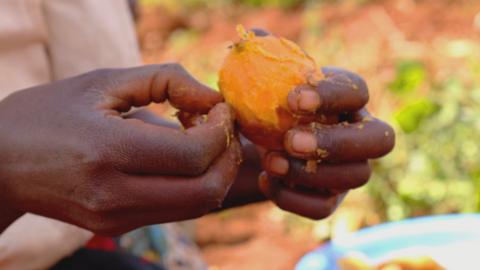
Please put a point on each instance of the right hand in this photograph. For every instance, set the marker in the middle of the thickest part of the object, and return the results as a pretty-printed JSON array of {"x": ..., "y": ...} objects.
[
  {"x": 342, "y": 150},
  {"x": 67, "y": 152}
]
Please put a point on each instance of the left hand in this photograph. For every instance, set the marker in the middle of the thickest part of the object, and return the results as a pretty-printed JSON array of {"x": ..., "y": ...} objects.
[{"x": 293, "y": 179}]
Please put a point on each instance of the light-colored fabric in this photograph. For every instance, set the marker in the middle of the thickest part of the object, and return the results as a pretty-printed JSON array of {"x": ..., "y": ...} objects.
[
  {"x": 42, "y": 41},
  {"x": 89, "y": 34},
  {"x": 23, "y": 58},
  {"x": 45, "y": 40},
  {"x": 35, "y": 243}
]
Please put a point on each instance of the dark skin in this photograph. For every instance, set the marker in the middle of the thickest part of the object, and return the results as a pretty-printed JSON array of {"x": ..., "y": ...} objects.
[
  {"x": 69, "y": 153},
  {"x": 314, "y": 195},
  {"x": 342, "y": 150},
  {"x": 346, "y": 147}
]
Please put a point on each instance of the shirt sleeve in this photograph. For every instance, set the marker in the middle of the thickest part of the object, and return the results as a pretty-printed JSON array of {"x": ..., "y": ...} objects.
[{"x": 89, "y": 34}]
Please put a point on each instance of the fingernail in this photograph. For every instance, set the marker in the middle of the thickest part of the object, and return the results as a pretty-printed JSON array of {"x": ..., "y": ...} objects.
[
  {"x": 303, "y": 142},
  {"x": 278, "y": 165},
  {"x": 308, "y": 101}
]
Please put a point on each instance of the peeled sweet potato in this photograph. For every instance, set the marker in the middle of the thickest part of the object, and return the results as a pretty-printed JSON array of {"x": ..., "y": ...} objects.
[{"x": 256, "y": 77}]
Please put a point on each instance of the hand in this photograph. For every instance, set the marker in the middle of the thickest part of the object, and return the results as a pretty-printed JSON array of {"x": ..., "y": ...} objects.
[
  {"x": 338, "y": 153},
  {"x": 245, "y": 188},
  {"x": 67, "y": 152}
]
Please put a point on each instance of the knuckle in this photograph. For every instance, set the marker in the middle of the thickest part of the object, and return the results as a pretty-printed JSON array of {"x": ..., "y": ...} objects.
[
  {"x": 352, "y": 79},
  {"x": 101, "y": 72},
  {"x": 215, "y": 191},
  {"x": 99, "y": 203},
  {"x": 328, "y": 141},
  {"x": 174, "y": 67},
  {"x": 357, "y": 79},
  {"x": 97, "y": 81}
]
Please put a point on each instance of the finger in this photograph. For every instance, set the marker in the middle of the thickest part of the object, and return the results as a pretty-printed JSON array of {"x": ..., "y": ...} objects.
[
  {"x": 367, "y": 139},
  {"x": 307, "y": 204},
  {"x": 156, "y": 197},
  {"x": 152, "y": 118},
  {"x": 340, "y": 91},
  {"x": 140, "y": 86},
  {"x": 189, "y": 120},
  {"x": 342, "y": 176},
  {"x": 136, "y": 147},
  {"x": 135, "y": 201}
]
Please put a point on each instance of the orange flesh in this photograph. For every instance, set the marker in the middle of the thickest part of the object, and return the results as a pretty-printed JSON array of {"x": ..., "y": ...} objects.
[{"x": 256, "y": 78}]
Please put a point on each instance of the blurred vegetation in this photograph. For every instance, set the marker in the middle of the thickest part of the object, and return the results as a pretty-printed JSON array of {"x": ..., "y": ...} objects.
[
  {"x": 434, "y": 168},
  {"x": 428, "y": 90}
]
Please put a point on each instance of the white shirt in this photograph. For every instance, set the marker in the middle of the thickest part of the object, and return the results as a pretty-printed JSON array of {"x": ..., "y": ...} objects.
[{"x": 42, "y": 41}]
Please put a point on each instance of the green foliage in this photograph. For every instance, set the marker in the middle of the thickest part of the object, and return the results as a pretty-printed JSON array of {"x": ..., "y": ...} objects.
[
  {"x": 412, "y": 115},
  {"x": 410, "y": 75},
  {"x": 435, "y": 166}
]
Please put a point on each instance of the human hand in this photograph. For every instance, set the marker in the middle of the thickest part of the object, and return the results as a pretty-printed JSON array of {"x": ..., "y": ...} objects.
[
  {"x": 322, "y": 162},
  {"x": 68, "y": 153}
]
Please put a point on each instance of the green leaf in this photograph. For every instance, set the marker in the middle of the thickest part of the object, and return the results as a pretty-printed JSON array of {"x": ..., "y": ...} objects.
[
  {"x": 410, "y": 75},
  {"x": 411, "y": 116}
]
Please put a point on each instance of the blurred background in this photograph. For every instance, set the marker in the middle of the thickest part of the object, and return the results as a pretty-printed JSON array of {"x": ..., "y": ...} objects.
[{"x": 421, "y": 60}]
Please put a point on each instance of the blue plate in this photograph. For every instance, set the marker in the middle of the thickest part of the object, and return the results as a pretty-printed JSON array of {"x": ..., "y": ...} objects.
[{"x": 448, "y": 232}]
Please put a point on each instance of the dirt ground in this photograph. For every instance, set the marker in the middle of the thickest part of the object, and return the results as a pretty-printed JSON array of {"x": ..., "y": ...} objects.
[
  {"x": 254, "y": 237},
  {"x": 250, "y": 238}
]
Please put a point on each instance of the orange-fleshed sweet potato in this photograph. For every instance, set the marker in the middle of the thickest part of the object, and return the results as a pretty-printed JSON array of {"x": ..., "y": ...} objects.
[{"x": 256, "y": 78}]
